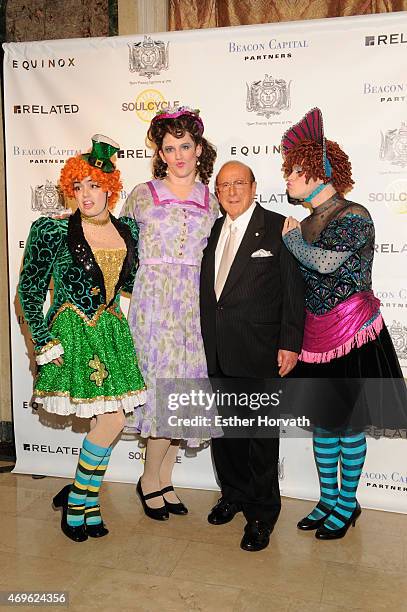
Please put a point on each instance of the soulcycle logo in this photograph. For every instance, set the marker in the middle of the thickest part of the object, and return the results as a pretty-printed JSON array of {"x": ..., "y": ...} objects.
[
  {"x": 394, "y": 198},
  {"x": 140, "y": 455},
  {"x": 148, "y": 103}
]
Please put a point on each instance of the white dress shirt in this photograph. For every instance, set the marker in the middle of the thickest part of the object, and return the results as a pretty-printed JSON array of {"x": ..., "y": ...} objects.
[{"x": 239, "y": 225}]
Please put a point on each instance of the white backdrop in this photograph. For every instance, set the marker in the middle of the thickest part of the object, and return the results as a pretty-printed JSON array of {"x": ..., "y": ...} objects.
[{"x": 250, "y": 83}]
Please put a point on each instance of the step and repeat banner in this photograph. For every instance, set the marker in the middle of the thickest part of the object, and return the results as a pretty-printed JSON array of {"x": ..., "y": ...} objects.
[{"x": 251, "y": 83}]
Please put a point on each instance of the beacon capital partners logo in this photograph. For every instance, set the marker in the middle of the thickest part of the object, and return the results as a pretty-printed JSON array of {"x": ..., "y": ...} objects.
[
  {"x": 393, "y": 147},
  {"x": 385, "y": 92},
  {"x": 147, "y": 104},
  {"x": 394, "y": 482},
  {"x": 266, "y": 50},
  {"x": 268, "y": 97},
  {"x": 48, "y": 154},
  {"x": 148, "y": 58},
  {"x": 47, "y": 199}
]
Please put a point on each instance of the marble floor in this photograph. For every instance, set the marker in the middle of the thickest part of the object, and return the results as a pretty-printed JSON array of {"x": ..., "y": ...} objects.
[{"x": 187, "y": 564}]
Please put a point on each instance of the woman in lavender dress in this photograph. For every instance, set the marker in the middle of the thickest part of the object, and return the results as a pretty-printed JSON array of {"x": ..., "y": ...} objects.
[{"x": 175, "y": 215}]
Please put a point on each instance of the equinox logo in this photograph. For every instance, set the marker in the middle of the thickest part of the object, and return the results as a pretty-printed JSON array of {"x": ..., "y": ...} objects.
[{"x": 385, "y": 39}]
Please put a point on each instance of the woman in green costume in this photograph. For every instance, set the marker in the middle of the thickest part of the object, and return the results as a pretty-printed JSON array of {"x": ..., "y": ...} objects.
[{"x": 84, "y": 349}]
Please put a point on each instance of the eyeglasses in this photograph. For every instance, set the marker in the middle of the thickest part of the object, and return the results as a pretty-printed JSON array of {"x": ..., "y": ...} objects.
[{"x": 236, "y": 184}]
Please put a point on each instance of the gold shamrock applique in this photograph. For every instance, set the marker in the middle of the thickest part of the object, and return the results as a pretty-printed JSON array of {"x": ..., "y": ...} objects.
[
  {"x": 95, "y": 290},
  {"x": 100, "y": 372}
]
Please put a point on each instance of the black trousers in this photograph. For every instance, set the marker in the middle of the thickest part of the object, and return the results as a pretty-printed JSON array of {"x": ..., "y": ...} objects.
[{"x": 247, "y": 469}]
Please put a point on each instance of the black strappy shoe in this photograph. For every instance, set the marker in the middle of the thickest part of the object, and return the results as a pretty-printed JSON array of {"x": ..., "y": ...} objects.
[
  {"x": 76, "y": 534},
  {"x": 323, "y": 533},
  {"x": 158, "y": 514},
  {"x": 307, "y": 524},
  {"x": 178, "y": 508}
]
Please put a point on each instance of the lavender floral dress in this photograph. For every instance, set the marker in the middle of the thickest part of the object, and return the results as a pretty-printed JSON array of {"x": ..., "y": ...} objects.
[{"x": 164, "y": 309}]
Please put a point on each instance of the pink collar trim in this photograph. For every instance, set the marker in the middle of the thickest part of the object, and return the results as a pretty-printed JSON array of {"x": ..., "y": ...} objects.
[{"x": 199, "y": 195}]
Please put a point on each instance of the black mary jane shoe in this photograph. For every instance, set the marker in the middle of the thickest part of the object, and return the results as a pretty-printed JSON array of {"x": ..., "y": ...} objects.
[
  {"x": 96, "y": 531},
  {"x": 256, "y": 536},
  {"x": 178, "y": 508},
  {"x": 76, "y": 534},
  {"x": 223, "y": 512},
  {"x": 323, "y": 533},
  {"x": 307, "y": 524},
  {"x": 158, "y": 514}
]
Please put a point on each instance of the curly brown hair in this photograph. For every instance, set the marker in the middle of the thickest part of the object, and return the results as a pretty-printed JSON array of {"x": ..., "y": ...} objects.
[
  {"x": 178, "y": 127},
  {"x": 76, "y": 169},
  {"x": 308, "y": 155}
]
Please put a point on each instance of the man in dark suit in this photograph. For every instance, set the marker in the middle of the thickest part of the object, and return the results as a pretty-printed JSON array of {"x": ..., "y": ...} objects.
[{"x": 252, "y": 316}]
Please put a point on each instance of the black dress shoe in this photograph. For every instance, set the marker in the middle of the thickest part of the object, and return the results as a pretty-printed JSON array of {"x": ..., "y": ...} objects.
[
  {"x": 323, "y": 533},
  {"x": 96, "y": 531},
  {"x": 77, "y": 534},
  {"x": 158, "y": 514},
  {"x": 223, "y": 512},
  {"x": 307, "y": 524},
  {"x": 178, "y": 508},
  {"x": 256, "y": 536}
]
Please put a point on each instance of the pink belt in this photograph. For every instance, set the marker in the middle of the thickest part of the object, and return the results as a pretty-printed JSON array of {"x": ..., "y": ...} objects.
[
  {"x": 350, "y": 324},
  {"x": 150, "y": 261}
]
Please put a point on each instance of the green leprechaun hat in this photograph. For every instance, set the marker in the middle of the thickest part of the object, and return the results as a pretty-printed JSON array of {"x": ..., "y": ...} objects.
[{"x": 103, "y": 148}]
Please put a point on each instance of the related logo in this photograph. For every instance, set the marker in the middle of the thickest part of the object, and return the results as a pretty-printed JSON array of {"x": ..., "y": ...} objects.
[
  {"x": 134, "y": 154},
  {"x": 149, "y": 57},
  {"x": 385, "y": 39},
  {"x": 271, "y": 198},
  {"x": 390, "y": 248},
  {"x": 386, "y": 92},
  {"x": 52, "y": 450},
  {"x": 393, "y": 146},
  {"x": 268, "y": 97},
  {"x": 49, "y": 62},
  {"x": 148, "y": 103},
  {"x": 398, "y": 334},
  {"x": 41, "y": 109},
  {"x": 47, "y": 199}
]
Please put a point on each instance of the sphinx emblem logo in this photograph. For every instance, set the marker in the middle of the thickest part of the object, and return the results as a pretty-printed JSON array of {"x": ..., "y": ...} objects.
[
  {"x": 149, "y": 57},
  {"x": 268, "y": 97},
  {"x": 47, "y": 199},
  {"x": 398, "y": 334},
  {"x": 394, "y": 146}
]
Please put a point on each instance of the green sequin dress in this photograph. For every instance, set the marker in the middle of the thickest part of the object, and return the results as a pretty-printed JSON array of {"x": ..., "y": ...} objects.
[{"x": 84, "y": 324}]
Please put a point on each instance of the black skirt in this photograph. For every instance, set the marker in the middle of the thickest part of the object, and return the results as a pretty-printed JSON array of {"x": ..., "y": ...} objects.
[{"x": 361, "y": 391}]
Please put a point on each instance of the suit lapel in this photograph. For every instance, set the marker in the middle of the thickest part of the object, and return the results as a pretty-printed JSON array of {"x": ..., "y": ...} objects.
[{"x": 250, "y": 241}]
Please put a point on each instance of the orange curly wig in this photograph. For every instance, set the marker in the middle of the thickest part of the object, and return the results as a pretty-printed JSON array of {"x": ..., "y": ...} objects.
[
  {"x": 308, "y": 155},
  {"x": 76, "y": 169}
]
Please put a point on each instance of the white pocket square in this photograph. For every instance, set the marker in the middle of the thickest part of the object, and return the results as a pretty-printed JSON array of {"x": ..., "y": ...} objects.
[{"x": 262, "y": 253}]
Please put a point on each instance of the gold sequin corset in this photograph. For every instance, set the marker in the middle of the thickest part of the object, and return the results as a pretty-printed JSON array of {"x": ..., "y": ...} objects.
[{"x": 110, "y": 261}]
